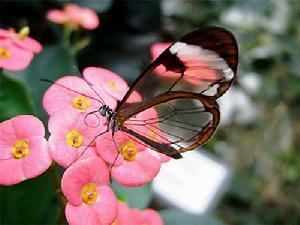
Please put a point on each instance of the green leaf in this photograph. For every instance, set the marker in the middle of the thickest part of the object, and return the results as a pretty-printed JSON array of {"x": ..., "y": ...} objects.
[
  {"x": 138, "y": 197},
  {"x": 14, "y": 98},
  {"x": 27, "y": 202},
  {"x": 53, "y": 62},
  {"x": 176, "y": 217}
]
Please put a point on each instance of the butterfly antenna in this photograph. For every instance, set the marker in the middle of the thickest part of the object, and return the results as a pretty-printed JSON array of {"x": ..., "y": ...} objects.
[
  {"x": 69, "y": 89},
  {"x": 89, "y": 84}
]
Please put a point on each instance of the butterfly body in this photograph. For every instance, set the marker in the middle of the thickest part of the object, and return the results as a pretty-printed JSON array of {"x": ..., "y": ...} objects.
[{"x": 111, "y": 116}]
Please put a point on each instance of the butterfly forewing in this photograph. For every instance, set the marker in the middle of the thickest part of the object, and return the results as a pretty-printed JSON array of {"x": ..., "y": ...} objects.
[{"x": 181, "y": 85}]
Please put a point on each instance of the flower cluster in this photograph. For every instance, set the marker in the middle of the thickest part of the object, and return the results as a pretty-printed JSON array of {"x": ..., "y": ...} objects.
[
  {"x": 75, "y": 143},
  {"x": 79, "y": 140},
  {"x": 17, "y": 49},
  {"x": 75, "y": 126}
]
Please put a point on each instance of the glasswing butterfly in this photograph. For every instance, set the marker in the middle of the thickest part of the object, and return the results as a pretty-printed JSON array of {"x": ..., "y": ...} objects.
[
  {"x": 178, "y": 91},
  {"x": 182, "y": 85}
]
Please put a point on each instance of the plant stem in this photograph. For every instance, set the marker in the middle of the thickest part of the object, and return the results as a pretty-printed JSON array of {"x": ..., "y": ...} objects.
[{"x": 58, "y": 192}]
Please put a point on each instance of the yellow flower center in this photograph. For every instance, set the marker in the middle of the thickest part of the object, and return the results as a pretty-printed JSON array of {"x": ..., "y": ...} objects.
[
  {"x": 74, "y": 139},
  {"x": 81, "y": 102},
  {"x": 115, "y": 222},
  {"x": 23, "y": 33},
  {"x": 20, "y": 149},
  {"x": 4, "y": 53},
  {"x": 129, "y": 151},
  {"x": 113, "y": 86},
  {"x": 89, "y": 193}
]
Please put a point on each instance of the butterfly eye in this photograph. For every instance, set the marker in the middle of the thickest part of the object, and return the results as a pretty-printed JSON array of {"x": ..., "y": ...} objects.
[{"x": 102, "y": 111}]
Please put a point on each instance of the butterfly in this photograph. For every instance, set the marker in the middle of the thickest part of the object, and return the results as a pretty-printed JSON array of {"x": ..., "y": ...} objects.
[
  {"x": 177, "y": 110},
  {"x": 182, "y": 85}
]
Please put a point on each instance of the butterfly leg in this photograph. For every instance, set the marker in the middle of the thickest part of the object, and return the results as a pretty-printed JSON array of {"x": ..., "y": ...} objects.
[{"x": 111, "y": 166}]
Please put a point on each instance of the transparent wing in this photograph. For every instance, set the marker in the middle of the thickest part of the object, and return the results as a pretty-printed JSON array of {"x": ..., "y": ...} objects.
[
  {"x": 183, "y": 121},
  {"x": 180, "y": 88},
  {"x": 202, "y": 62}
]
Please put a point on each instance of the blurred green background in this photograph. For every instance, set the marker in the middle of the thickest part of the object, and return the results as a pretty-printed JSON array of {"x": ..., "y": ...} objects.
[{"x": 263, "y": 148}]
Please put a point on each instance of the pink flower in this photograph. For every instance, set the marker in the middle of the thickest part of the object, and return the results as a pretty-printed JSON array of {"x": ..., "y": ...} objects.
[
  {"x": 21, "y": 39},
  {"x": 72, "y": 135},
  {"x": 24, "y": 150},
  {"x": 85, "y": 184},
  {"x": 112, "y": 83},
  {"x": 125, "y": 216},
  {"x": 74, "y": 16},
  {"x": 71, "y": 92},
  {"x": 147, "y": 216},
  {"x": 135, "y": 165},
  {"x": 12, "y": 57},
  {"x": 197, "y": 72}
]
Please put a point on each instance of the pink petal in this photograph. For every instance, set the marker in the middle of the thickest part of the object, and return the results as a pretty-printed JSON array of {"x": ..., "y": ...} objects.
[
  {"x": 57, "y": 97},
  {"x": 7, "y": 139},
  {"x": 106, "y": 205},
  {"x": 85, "y": 17},
  {"x": 81, "y": 215},
  {"x": 102, "y": 212},
  {"x": 91, "y": 170},
  {"x": 28, "y": 44},
  {"x": 28, "y": 126},
  {"x": 19, "y": 58},
  {"x": 125, "y": 216},
  {"x": 108, "y": 151},
  {"x": 150, "y": 217},
  {"x": 138, "y": 172},
  {"x": 103, "y": 77},
  {"x": 38, "y": 160},
  {"x": 4, "y": 33},
  {"x": 89, "y": 19},
  {"x": 57, "y": 16},
  {"x": 11, "y": 172}
]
